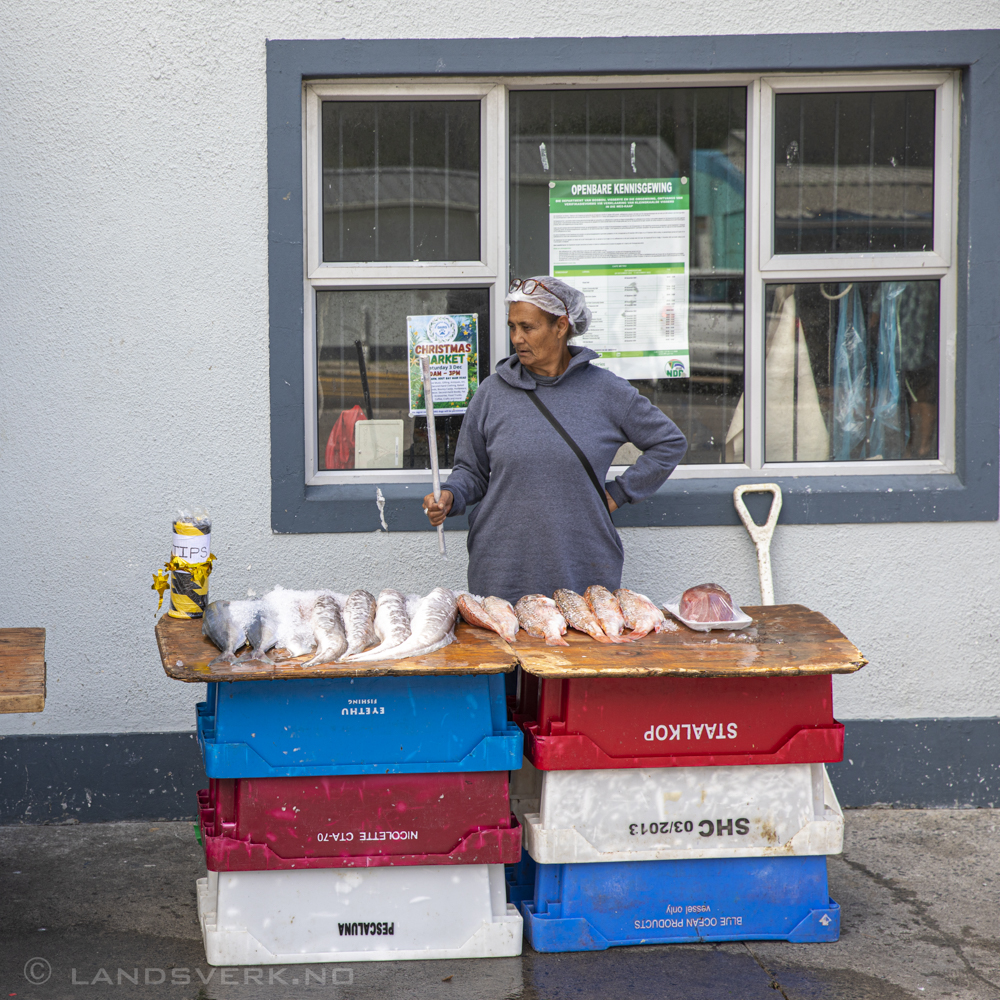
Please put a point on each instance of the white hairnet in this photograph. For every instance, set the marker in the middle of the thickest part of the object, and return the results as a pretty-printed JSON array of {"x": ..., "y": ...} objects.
[{"x": 556, "y": 297}]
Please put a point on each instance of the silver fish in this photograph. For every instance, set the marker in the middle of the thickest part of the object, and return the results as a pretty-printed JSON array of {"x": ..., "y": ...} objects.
[
  {"x": 392, "y": 623},
  {"x": 502, "y": 612},
  {"x": 223, "y": 628},
  {"x": 282, "y": 620},
  {"x": 328, "y": 630},
  {"x": 262, "y": 634},
  {"x": 431, "y": 628},
  {"x": 359, "y": 620}
]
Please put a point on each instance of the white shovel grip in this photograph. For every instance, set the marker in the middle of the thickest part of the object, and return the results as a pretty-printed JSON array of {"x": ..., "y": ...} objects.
[{"x": 761, "y": 533}]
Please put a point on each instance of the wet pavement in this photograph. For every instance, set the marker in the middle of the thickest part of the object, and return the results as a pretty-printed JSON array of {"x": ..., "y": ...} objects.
[{"x": 108, "y": 910}]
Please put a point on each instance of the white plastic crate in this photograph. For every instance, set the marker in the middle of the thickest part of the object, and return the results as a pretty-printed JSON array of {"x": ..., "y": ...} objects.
[
  {"x": 357, "y": 915},
  {"x": 677, "y": 813}
]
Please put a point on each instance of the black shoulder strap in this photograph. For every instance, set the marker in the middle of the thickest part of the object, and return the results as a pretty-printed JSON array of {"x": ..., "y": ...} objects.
[{"x": 564, "y": 434}]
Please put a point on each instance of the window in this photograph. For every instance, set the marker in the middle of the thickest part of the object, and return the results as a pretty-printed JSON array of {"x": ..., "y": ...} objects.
[
  {"x": 857, "y": 275},
  {"x": 818, "y": 286},
  {"x": 857, "y": 224},
  {"x": 402, "y": 225},
  {"x": 697, "y": 135}
]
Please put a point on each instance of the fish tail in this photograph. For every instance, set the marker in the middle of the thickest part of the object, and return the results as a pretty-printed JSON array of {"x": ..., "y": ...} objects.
[
  {"x": 555, "y": 640},
  {"x": 255, "y": 657},
  {"x": 224, "y": 658},
  {"x": 638, "y": 633}
]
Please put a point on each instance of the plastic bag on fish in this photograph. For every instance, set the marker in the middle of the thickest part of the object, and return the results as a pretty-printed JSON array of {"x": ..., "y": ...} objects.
[{"x": 705, "y": 600}]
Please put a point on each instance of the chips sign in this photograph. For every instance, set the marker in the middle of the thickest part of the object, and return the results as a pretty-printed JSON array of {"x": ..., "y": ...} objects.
[{"x": 451, "y": 345}]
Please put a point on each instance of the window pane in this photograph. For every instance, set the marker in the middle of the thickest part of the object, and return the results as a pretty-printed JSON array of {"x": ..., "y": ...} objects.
[
  {"x": 854, "y": 172},
  {"x": 697, "y": 134},
  {"x": 400, "y": 180},
  {"x": 372, "y": 324},
  {"x": 851, "y": 371}
]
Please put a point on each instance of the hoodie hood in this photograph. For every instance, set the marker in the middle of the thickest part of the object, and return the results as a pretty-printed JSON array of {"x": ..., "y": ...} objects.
[{"x": 514, "y": 373}]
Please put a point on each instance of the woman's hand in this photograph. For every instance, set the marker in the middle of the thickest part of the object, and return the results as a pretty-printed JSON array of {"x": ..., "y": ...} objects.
[
  {"x": 612, "y": 506},
  {"x": 438, "y": 511}
]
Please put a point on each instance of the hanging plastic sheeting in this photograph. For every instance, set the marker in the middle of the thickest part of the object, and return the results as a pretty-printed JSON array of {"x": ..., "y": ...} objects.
[
  {"x": 851, "y": 377},
  {"x": 795, "y": 429},
  {"x": 890, "y": 426}
]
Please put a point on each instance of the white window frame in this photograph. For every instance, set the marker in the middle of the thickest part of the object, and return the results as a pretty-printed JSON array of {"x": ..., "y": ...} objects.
[{"x": 762, "y": 265}]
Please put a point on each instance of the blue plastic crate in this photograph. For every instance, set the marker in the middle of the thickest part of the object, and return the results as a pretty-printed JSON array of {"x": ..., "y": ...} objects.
[
  {"x": 521, "y": 880},
  {"x": 357, "y": 725},
  {"x": 590, "y": 907}
]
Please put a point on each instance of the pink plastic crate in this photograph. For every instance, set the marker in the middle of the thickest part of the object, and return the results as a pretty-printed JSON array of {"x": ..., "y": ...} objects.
[{"x": 358, "y": 821}]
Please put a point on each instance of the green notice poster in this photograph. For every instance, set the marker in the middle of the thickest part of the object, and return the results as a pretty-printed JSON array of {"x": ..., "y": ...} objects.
[
  {"x": 624, "y": 244},
  {"x": 451, "y": 343}
]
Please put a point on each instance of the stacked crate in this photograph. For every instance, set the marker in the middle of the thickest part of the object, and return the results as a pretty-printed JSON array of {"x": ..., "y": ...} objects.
[
  {"x": 673, "y": 809},
  {"x": 357, "y": 819}
]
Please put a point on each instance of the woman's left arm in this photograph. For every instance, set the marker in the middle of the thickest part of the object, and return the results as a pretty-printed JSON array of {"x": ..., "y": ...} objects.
[{"x": 662, "y": 445}]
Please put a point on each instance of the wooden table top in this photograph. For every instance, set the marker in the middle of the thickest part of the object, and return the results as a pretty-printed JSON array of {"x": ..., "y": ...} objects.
[
  {"x": 784, "y": 640},
  {"x": 186, "y": 653},
  {"x": 22, "y": 670}
]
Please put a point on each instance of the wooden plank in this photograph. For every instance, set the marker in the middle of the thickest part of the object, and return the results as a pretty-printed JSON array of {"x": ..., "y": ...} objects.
[
  {"x": 22, "y": 670},
  {"x": 784, "y": 640},
  {"x": 186, "y": 653}
]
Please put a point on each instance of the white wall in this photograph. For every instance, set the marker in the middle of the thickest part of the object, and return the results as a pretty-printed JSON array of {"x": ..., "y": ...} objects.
[{"x": 133, "y": 358}]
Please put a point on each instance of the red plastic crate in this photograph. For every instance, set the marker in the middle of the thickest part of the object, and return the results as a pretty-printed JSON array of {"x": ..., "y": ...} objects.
[
  {"x": 358, "y": 821},
  {"x": 589, "y": 723}
]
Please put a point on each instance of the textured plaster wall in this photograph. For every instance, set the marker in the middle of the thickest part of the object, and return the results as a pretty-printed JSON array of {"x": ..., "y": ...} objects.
[{"x": 133, "y": 358}]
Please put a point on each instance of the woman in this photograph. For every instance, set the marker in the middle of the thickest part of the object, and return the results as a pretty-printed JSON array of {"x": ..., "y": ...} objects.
[{"x": 541, "y": 522}]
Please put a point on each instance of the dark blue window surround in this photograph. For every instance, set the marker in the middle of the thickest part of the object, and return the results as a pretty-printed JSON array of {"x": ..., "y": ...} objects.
[{"x": 970, "y": 494}]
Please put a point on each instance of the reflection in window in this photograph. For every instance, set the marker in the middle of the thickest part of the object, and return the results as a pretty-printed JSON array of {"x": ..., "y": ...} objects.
[
  {"x": 851, "y": 371},
  {"x": 854, "y": 172},
  {"x": 400, "y": 180},
  {"x": 361, "y": 339},
  {"x": 698, "y": 134}
]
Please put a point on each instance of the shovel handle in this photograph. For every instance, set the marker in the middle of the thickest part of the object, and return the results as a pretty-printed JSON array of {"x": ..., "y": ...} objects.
[{"x": 761, "y": 533}]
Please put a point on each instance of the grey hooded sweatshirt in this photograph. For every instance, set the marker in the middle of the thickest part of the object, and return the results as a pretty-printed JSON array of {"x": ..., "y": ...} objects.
[{"x": 540, "y": 524}]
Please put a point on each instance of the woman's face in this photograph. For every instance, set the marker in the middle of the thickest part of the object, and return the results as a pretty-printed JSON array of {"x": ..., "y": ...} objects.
[{"x": 539, "y": 340}]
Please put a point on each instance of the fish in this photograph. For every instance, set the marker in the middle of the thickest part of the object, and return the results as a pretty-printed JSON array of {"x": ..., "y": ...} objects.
[
  {"x": 640, "y": 613},
  {"x": 502, "y": 612},
  {"x": 359, "y": 620},
  {"x": 262, "y": 635},
  {"x": 539, "y": 616},
  {"x": 707, "y": 602},
  {"x": 607, "y": 610},
  {"x": 392, "y": 623},
  {"x": 225, "y": 625},
  {"x": 328, "y": 630},
  {"x": 471, "y": 609},
  {"x": 578, "y": 615},
  {"x": 431, "y": 628}
]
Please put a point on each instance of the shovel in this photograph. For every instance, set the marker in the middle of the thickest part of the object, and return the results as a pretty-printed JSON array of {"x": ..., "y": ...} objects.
[
  {"x": 761, "y": 533},
  {"x": 432, "y": 442}
]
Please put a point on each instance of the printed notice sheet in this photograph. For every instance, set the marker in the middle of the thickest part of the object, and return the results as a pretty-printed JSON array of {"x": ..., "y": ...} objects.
[
  {"x": 452, "y": 344},
  {"x": 624, "y": 244}
]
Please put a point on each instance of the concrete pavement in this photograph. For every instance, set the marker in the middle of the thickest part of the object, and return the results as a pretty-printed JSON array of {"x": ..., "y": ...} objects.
[{"x": 919, "y": 892}]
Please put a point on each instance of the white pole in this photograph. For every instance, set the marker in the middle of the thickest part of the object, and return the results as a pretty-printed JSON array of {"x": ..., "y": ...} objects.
[{"x": 432, "y": 442}]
